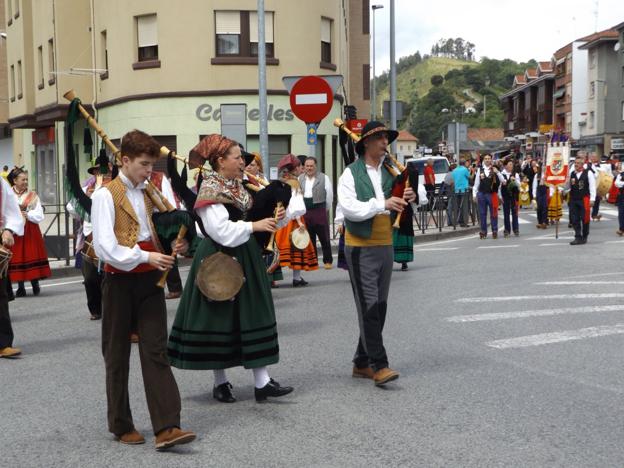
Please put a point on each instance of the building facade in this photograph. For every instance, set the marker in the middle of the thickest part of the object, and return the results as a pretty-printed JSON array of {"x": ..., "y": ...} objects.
[{"x": 168, "y": 68}]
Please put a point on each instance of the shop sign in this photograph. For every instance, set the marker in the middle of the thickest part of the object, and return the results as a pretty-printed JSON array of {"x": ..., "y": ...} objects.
[{"x": 206, "y": 112}]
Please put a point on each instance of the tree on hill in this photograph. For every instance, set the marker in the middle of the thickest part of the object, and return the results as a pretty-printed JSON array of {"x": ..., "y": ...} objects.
[
  {"x": 456, "y": 48},
  {"x": 437, "y": 80}
]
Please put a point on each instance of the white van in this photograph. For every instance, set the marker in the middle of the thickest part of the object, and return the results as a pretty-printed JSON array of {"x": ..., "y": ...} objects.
[{"x": 440, "y": 168}]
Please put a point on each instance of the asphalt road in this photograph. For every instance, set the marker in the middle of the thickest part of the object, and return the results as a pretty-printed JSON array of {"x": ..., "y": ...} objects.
[{"x": 498, "y": 368}]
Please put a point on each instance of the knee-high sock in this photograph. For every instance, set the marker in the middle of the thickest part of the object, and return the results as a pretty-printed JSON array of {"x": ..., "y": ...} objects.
[
  {"x": 296, "y": 275},
  {"x": 219, "y": 377},
  {"x": 261, "y": 376}
]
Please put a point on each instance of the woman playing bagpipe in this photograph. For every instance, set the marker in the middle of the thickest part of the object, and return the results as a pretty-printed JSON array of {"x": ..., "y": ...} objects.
[
  {"x": 242, "y": 331},
  {"x": 30, "y": 258}
]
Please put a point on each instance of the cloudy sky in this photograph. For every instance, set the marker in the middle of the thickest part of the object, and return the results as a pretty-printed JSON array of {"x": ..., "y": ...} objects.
[{"x": 519, "y": 30}]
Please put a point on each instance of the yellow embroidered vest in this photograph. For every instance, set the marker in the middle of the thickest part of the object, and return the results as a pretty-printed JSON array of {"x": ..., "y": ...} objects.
[{"x": 126, "y": 226}]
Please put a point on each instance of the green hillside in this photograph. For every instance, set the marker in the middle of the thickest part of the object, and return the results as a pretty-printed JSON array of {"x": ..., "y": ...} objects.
[{"x": 416, "y": 81}]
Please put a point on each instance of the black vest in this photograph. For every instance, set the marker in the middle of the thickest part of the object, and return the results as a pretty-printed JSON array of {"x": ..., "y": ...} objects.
[
  {"x": 488, "y": 184},
  {"x": 579, "y": 187}
]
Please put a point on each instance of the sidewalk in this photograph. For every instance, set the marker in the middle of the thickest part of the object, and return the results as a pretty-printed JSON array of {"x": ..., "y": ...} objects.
[{"x": 60, "y": 270}]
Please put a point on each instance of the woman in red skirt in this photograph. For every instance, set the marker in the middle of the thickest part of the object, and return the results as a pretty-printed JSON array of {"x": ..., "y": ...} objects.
[
  {"x": 30, "y": 259},
  {"x": 291, "y": 257}
]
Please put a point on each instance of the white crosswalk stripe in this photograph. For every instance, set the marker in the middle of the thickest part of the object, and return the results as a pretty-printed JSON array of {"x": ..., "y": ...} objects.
[
  {"x": 534, "y": 313},
  {"x": 557, "y": 337}
]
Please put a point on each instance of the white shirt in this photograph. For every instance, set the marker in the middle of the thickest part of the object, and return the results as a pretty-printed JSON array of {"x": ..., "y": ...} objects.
[
  {"x": 619, "y": 181},
  {"x": 10, "y": 211},
  {"x": 329, "y": 192},
  {"x": 296, "y": 208},
  {"x": 486, "y": 171},
  {"x": 34, "y": 214},
  {"x": 354, "y": 209},
  {"x": 220, "y": 229},
  {"x": 103, "y": 220}
]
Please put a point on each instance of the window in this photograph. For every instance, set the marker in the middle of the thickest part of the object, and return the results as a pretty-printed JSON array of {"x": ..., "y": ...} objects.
[
  {"x": 228, "y": 30},
  {"x": 326, "y": 52},
  {"x": 592, "y": 59},
  {"x": 622, "y": 76},
  {"x": 17, "y": 8},
  {"x": 622, "y": 111},
  {"x": 268, "y": 33},
  {"x": 10, "y": 12},
  {"x": 19, "y": 79},
  {"x": 104, "y": 54},
  {"x": 40, "y": 66},
  {"x": 51, "y": 62},
  {"x": 12, "y": 82},
  {"x": 592, "y": 89},
  {"x": 592, "y": 116},
  {"x": 147, "y": 36},
  {"x": 366, "y": 17}
]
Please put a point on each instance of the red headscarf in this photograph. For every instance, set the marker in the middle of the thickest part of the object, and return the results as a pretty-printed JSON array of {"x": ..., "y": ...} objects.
[{"x": 211, "y": 147}]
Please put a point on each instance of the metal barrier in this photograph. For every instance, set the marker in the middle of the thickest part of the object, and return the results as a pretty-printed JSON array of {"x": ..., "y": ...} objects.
[
  {"x": 446, "y": 209},
  {"x": 56, "y": 235}
]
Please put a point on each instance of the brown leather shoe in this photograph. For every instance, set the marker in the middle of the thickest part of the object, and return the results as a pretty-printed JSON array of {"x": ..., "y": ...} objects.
[
  {"x": 385, "y": 375},
  {"x": 133, "y": 437},
  {"x": 167, "y": 438},
  {"x": 9, "y": 352},
  {"x": 363, "y": 372},
  {"x": 328, "y": 266},
  {"x": 173, "y": 294}
]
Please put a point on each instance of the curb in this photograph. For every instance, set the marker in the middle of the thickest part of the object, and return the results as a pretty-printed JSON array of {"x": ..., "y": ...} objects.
[{"x": 446, "y": 234}]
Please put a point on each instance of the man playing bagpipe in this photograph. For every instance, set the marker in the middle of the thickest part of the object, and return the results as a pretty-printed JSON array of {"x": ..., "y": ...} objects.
[
  {"x": 365, "y": 198},
  {"x": 125, "y": 238},
  {"x": 485, "y": 192}
]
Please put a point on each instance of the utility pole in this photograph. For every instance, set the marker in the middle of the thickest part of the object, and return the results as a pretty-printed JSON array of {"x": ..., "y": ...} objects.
[
  {"x": 393, "y": 119},
  {"x": 374, "y": 86},
  {"x": 262, "y": 91}
]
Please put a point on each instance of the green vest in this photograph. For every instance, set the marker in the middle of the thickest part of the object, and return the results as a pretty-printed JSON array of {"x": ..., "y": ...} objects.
[{"x": 365, "y": 191}]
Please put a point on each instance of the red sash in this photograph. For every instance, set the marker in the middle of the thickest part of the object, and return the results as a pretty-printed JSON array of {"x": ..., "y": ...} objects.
[{"x": 148, "y": 246}]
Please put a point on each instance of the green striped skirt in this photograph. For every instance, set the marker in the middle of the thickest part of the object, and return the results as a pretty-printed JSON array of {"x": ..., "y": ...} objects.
[
  {"x": 218, "y": 335},
  {"x": 403, "y": 247}
]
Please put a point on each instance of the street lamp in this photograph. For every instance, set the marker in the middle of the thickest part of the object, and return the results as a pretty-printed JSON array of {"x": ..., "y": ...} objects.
[{"x": 374, "y": 90}]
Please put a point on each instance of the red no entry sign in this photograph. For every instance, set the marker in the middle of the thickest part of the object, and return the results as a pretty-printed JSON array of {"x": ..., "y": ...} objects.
[{"x": 311, "y": 99}]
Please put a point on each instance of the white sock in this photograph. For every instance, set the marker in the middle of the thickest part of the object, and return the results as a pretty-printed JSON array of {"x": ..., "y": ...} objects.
[
  {"x": 296, "y": 275},
  {"x": 261, "y": 376},
  {"x": 219, "y": 377}
]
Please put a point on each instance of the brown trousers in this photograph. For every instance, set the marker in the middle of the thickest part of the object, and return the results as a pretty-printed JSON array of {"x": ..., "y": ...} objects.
[{"x": 135, "y": 295}]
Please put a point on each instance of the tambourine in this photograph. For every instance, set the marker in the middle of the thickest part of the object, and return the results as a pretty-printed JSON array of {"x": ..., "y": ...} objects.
[
  {"x": 300, "y": 238},
  {"x": 219, "y": 277}
]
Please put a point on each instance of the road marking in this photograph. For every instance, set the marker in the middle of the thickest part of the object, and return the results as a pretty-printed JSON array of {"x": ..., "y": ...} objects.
[
  {"x": 533, "y": 313},
  {"x": 557, "y": 337},
  {"x": 498, "y": 246},
  {"x": 550, "y": 245},
  {"x": 434, "y": 249},
  {"x": 568, "y": 283},
  {"x": 593, "y": 275},
  {"x": 552, "y": 236},
  {"x": 457, "y": 239},
  {"x": 548, "y": 296},
  {"x": 615, "y": 242},
  {"x": 45, "y": 285}
]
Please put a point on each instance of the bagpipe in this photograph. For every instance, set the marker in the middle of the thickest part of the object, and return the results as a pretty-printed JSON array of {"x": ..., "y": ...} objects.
[
  {"x": 170, "y": 224},
  {"x": 404, "y": 177},
  {"x": 267, "y": 197}
]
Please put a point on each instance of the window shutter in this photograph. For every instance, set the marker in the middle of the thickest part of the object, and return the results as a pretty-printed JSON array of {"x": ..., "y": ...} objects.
[
  {"x": 147, "y": 32},
  {"x": 325, "y": 30},
  {"x": 228, "y": 22},
  {"x": 268, "y": 26}
]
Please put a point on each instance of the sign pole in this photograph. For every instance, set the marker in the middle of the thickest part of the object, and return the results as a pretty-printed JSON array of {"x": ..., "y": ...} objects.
[{"x": 262, "y": 90}]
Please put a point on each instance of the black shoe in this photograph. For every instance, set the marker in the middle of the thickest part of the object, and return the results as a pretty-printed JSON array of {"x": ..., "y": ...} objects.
[
  {"x": 516, "y": 233},
  {"x": 21, "y": 292},
  {"x": 300, "y": 282},
  {"x": 577, "y": 242},
  {"x": 272, "y": 389},
  {"x": 505, "y": 234},
  {"x": 35, "y": 287},
  {"x": 570, "y": 226},
  {"x": 223, "y": 393},
  {"x": 403, "y": 266}
]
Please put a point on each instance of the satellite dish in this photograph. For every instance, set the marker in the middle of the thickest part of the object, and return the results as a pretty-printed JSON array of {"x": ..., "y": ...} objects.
[{"x": 616, "y": 47}]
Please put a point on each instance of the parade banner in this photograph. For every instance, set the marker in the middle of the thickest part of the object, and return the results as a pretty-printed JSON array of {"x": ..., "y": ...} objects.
[{"x": 557, "y": 157}]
